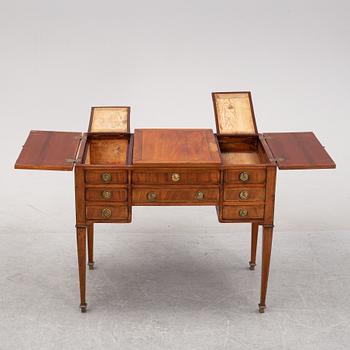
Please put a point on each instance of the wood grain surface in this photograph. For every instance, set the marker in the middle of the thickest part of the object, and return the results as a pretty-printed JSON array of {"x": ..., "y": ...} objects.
[
  {"x": 175, "y": 146},
  {"x": 298, "y": 150},
  {"x": 49, "y": 150}
]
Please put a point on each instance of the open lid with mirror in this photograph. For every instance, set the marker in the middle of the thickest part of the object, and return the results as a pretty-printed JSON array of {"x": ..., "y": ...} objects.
[
  {"x": 234, "y": 113},
  {"x": 110, "y": 119}
]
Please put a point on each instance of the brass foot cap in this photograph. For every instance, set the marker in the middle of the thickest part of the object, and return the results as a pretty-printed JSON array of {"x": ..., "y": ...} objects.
[
  {"x": 91, "y": 265},
  {"x": 262, "y": 308},
  {"x": 83, "y": 307},
  {"x": 251, "y": 266}
]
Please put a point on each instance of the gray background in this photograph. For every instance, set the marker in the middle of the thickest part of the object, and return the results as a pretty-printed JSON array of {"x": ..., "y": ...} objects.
[{"x": 164, "y": 59}]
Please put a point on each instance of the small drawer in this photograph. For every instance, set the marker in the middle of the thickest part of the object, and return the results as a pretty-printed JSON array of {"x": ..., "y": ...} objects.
[
  {"x": 245, "y": 176},
  {"x": 106, "y": 194},
  {"x": 187, "y": 196},
  {"x": 106, "y": 177},
  {"x": 107, "y": 212},
  {"x": 244, "y": 194},
  {"x": 176, "y": 177},
  {"x": 242, "y": 212}
]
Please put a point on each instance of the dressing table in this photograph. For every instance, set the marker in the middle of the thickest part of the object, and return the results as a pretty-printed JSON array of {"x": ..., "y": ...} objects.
[{"x": 233, "y": 170}]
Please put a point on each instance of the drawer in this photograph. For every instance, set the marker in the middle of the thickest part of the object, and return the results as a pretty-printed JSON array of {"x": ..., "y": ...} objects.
[
  {"x": 106, "y": 177},
  {"x": 176, "y": 177},
  {"x": 244, "y": 194},
  {"x": 188, "y": 196},
  {"x": 108, "y": 194},
  {"x": 239, "y": 212},
  {"x": 245, "y": 176},
  {"x": 106, "y": 212}
]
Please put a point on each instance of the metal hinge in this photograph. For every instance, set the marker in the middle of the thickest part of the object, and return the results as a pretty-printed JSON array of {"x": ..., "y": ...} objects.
[
  {"x": 70, "y": 160},
  {"x": 278, "y": 159}
]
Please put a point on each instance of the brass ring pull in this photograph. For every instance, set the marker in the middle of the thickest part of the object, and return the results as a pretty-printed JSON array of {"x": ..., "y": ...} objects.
[
  {"x": 243, "y": 176},
  {"x": 175, "y": 177},
  {"x": 106, "y": 194},
  {"x": 151, "y": 196},
  {"x": 243, "y": 212},
  {"x": 106, "y": 213},
  {"x": 243, "y": 195},
  {"x": 106, "y": 177},
  {"x": 199, "y": 195}
]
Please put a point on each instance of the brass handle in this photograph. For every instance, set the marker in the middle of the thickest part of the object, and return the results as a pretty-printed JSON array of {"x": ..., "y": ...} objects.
[
  {"x": 106, "y": 177},
  {"x": 243, "y": 212},
  {"x": 151, "y": 196},
  {"x": 106, "y": 194},
  {"x": 199, "y": 195},
  {"x": 243, "y": 176},
  {"x": 106, "y": 213},
  {"x": 243, "y": 195},
  {"x": 175, "y": 177}
]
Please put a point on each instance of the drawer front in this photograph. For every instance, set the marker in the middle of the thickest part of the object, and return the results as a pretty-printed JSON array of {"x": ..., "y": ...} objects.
[
  {"x": 188, "y": 196},
  {"x": 106, "y": 212},
  {"x": 176, "y": 177},
  {"x": 106, "y": 177},
  {"x": 106, "y": 194},
  {"x": 245, "y": 176},
  {"x": 242, "y": 212},
  {"x": 244, "y": 194}
]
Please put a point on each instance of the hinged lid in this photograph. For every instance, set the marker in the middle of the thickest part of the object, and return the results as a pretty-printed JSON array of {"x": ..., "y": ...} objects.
[
  {"x": 234, "y": 113},
  {"x": 175, "y": 147},
  {"x": 298, "y": 150},
  {"x": 110, "y": 119},
  {"x": 49, "y": 150}
]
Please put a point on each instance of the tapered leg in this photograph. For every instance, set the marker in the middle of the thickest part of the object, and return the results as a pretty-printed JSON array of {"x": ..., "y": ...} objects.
[
  {"x": 90, "y": 232},
  {"x": 81, "y": 245},
  {"x": 252, "y": 262},
  {"x": 265, "y": 266}
]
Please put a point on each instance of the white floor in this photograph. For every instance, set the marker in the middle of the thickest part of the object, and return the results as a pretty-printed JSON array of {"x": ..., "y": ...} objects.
[{"x": 174, "y": 290}]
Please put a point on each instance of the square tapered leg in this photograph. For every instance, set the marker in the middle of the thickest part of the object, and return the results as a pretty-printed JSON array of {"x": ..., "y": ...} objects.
[
  {"x": 265, "y": 266},
  {"x": 81, "y": 248},
  {"x": 254, "y": 242}
]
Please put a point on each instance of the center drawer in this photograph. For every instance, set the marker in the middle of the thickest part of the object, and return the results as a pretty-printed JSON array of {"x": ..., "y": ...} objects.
[
  {"x": 176, "y": 177},
  {"x": 188, "y": 196}
]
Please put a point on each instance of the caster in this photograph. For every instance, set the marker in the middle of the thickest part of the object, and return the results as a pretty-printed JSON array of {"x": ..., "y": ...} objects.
[
  {"x": 91, "y": 265},
  {"x": 252, "y": 266},
  {"x": 83, "y": 307},
  {"x": 262, "y": 308}
]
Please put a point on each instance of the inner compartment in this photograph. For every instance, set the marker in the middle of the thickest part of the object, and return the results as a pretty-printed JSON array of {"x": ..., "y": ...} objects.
[
  {"x": 107, "y": 150},
  {"x": 237, "y": 149}
]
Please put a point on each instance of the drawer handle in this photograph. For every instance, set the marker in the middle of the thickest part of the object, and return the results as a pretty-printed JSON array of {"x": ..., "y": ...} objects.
[
  {"x": 243, "y": 195},
  {"x": 243, "y": 212},
  {"x": 175, "y": 177},
  {"x": 199, "y": 195},
  {"x": 106, "y": 177},
  {"x": 243, "y": 176},
  {"x": 106, "y": 194},
  {"x": 106, "y": 213},
  {"x": 151, "y": 196}
]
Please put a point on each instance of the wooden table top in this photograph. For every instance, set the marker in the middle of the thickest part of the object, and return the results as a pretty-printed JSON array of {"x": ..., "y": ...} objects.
[{"x": 175, "y": 146}]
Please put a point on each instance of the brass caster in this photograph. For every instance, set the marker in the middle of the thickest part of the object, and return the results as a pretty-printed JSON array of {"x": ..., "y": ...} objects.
[
  {"x": 251, "y": 266},
  {"x": 262, "y": 308},
  {"x": 83, "y": 307},
  {"x": 91, "y": 265}
]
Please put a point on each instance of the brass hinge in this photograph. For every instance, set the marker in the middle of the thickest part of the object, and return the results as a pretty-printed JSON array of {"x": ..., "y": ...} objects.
[{"x": 278, "y": 159}]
